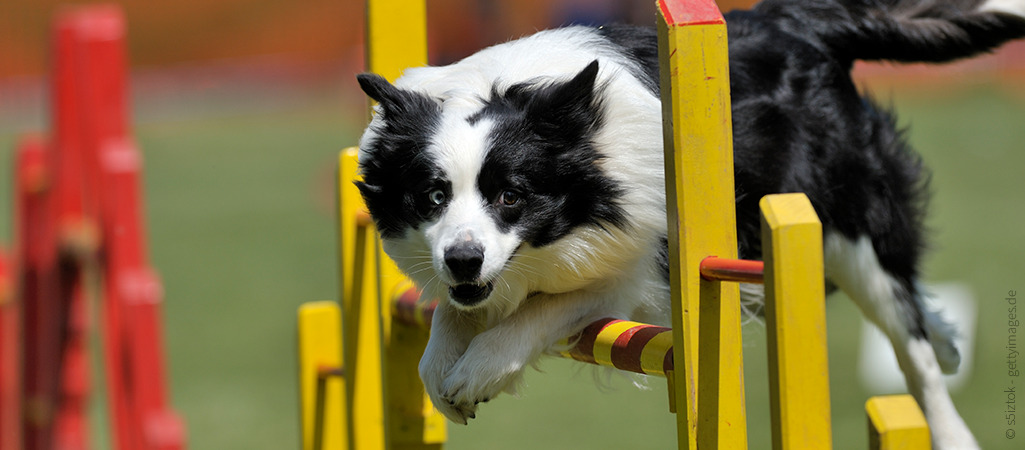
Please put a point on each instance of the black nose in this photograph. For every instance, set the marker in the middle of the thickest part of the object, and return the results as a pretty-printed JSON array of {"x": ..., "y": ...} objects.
[{"x": 464, "y": 261}]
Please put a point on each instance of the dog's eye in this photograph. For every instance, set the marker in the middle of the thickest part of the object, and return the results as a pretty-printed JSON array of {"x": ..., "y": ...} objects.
[
  {"x": 436, "y": 196},
  {"x": 509, "y": 198}
]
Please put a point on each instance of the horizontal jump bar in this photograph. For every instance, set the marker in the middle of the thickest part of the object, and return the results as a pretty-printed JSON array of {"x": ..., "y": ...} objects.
[{"x": 739, "y": 270}]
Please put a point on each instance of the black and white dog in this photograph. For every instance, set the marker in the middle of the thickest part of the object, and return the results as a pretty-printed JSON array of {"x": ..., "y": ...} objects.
[{"x": 523, "y": 186}]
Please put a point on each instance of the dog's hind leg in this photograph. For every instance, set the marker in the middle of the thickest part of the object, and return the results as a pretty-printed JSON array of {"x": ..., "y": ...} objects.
[{"x": 896, "y": 308}]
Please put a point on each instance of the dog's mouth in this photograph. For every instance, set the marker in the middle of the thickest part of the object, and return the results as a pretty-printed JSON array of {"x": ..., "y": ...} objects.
[{"x": 470, "y": 294}]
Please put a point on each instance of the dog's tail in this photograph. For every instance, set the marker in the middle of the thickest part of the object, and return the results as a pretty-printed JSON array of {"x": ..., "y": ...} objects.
[{"x": 902, "y": 30}]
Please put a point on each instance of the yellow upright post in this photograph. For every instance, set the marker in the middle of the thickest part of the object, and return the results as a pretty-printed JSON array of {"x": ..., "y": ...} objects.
[
  {"x": 795, "y": 317},
  {"x": 361, "y": 316},
  {"x": 700, "y": 199},
  {"x": 350, "y": 204},
  {"x": 394, "y": 411},
  {"x": 320, "y": 347},
  {"x": 896, "y": 423},
  {"x": 413, "y": 423},
  {"x": 396, "y": 36}
]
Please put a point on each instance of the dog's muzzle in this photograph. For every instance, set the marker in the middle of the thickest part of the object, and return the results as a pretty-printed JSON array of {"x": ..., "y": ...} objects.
[
  {"x": 470, "y": 294},
  {"x": 464, "y": 261}
]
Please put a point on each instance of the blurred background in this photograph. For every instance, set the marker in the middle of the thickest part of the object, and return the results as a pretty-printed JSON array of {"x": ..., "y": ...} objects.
[{"x": 240, "y": 107}]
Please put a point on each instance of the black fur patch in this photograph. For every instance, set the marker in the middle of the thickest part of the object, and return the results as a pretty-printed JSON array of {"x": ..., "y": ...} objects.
[
  {"x": 663, "y": 258},
  {"x": 909, "y": 31},
  {"x": 799, "y": 125},
  {"x": 397, "y": 179},
  {"x": 540, "y": 149}
]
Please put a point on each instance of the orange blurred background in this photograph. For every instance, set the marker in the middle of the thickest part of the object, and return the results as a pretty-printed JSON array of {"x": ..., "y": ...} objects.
[
  {"x": 174, "y": 32},
  {"x": 266, "y": 51}
]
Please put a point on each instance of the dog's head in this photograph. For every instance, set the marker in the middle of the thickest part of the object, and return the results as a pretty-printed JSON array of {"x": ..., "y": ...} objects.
[{"x": 468, "y": 192}]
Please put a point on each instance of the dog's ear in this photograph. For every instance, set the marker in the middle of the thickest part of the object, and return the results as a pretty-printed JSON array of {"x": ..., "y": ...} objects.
[
  {"x": 378, "y": 88},
  {"x": 577, "y": 92},
  {"x": 567, "y": 106},
  {"x": 369, "y": 192},
  {"x": 396, "y": 102}
]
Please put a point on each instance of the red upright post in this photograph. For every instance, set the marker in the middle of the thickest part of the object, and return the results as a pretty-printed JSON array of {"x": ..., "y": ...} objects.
[
  {"x": 75, "y": 225},
  {"x": 42, "y": 310},
  {"x": 132, "y": 291},
  {"x": 10, "y": 358},
  {"x": 100, "y": 66}
]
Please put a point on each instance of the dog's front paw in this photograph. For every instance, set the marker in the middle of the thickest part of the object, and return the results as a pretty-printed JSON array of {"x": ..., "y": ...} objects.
[
  {"x": 434, "y": 366},
  {"x": 484, "y": 371}
]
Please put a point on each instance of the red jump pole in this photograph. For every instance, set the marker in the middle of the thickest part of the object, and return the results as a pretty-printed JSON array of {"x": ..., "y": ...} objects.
[
  {"x": 132, "y": 291},
  {"x": 134, "y": 294},
  {"x": 97, "y": 115},
  {"x": 43, "y": 310},
  {"x": 738, "y": 270},
  {"x": 10, "y": 358},
  {"x": 75, "y": 222}
]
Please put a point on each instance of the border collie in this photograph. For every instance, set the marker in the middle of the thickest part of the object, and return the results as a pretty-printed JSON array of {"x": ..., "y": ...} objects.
[{"x": 523, "y": 186}]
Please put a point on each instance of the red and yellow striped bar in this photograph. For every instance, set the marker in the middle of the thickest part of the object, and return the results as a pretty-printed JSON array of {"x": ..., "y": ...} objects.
[
  {"x": 630, "y": 346},
  {"x": 410, "y": 310},
  {"x": 738, "y": 270}
]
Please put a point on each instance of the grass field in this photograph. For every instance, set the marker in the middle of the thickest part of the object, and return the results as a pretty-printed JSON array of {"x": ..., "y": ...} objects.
[{"x": 241, "y": 226}]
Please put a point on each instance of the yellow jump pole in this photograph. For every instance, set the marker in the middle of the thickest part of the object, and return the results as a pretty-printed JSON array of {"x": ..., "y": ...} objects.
[
  {"x": 396, "y": 38},
  {"x": 701, "y": 218},
  {"x": 795, "y": 316},
  {"x": 320, "y": 348},
  {"x": 895, "y": 422},
  {"x": 361, "y": 324}
]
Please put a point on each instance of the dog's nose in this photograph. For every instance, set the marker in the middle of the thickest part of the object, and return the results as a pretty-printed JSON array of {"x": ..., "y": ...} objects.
[{"x": 464, "y": 261}]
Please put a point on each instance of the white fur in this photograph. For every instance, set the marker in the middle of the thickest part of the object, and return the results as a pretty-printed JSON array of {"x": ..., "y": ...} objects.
[
  {"x": 854, "y": 267},
  {"x": 1016, "y": 7}
]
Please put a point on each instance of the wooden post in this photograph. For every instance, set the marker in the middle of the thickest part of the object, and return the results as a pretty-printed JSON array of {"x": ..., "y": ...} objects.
[
  {"x": 382, "y": 383},
  {"x": 320, "y": 330},
  {"x": 701, "y": 218},
  {"x": 795, "y": 320},
  {"x": 895, "y": 422}
]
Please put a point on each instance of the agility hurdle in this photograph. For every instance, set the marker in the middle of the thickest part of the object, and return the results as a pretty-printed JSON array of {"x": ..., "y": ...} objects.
[
  {"x": 79, "y": 231},
  {"x": 382, "y": 325}
]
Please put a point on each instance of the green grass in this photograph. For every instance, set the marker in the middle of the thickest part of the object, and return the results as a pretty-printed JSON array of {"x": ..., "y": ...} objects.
[
  {"x": 241, "y": 230},
  {"x": 242, "y": 236}
]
